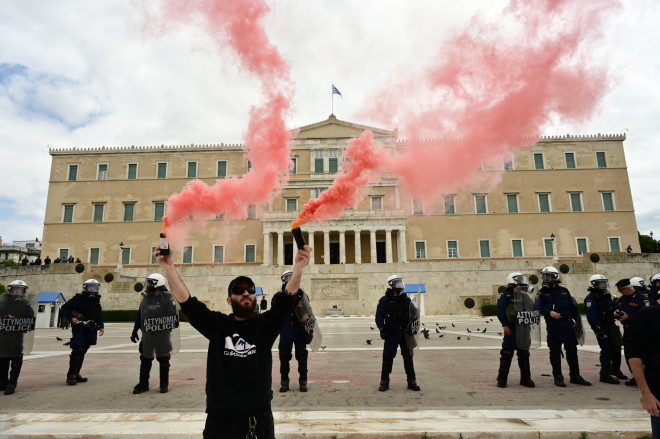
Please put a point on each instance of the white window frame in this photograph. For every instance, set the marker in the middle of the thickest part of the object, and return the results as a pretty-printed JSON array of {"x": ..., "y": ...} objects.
[
  {"x": 217, "y": 165},
  {"x": 506, "y": 201},
  {"x": 602, "y": 200},
  {"x": 534, "y": 154},
  {"x": 479, "y": 241},
  {"x": 245, "y": 247},
  {"x": 294, "y": 170},
  {"x": 552, "y": 241},
  {"x": 570, "y": 201},
  {"x": 609, "y": 243},
  {"x": 73, "y": 212},
  {"x": 167, "y": 169},
  {"x": 453, "y": 203},
  {"x": 99, "y": 176},
  {"x": 605, "y": 155},
  {"x": 223, "y": 254},
  {"x": 538, "y": 201},
  {"x": 152, "y": 258},
  {"x": 286, "y": 204},
  {"x": 164, "y": 210},
  {"x": 137, "y": 170},
  {"x": 318, "y": 154},
  {"x": 476, "y": 205},
  {"x": 574, "y": 159},
  {"x": 381, "y": 198},
  {"x": 577, "y": 248},
  {"x": 125, "y": 203},
  {"x": 196, "y": 162},
  {"x": 458, "y": 253},
  {"x": 102, "y": 204},
  {"x": 192, "y": 253},
  {"x": 89, "y": 256},
  {"x": 68, "y": 171},
  {"x": 424, "y": 250},
  {"x": 121, "y": 255},
  {"x": 59, "y": 253},
  {"x": 522, "y": 247}
]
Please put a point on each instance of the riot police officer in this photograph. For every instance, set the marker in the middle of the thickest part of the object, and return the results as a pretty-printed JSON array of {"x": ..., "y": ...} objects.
[
  {"x": 393, "y": 320},
  {"x": 517, "y": 337},
  {"x": 158, "y": 319},
  {"x": 292, "y": 335},
  {"x": 654, "y": 288},
  {"x": 639, "y": 285},
  {"x": 16, "y": 333},
  {"x": 84, "y": 312},
  {"x": 629, "y": 304},
  {"x": 561, "y": 315},
  {"x": 601, "y": 313}
]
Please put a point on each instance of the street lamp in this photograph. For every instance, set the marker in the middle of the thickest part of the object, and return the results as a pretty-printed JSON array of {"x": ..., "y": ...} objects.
[
  {"x": 121, "y": 253},
  {"x": 554, "y": 247}
]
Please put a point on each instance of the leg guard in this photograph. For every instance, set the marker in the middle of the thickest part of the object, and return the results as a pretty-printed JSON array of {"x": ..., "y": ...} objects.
[
  {"x": 74, "y": 360},
  {"x": 145, "y": 369},
  {"x": 525, "y": 372},
  {"x": 164, "y": 362},
  {"x": 506, "y": 355},
  {"x": 4, "y": 372},
  {"x": 574, "y": 366},
  {"x": 79, "y": 378},
  {"x": 409, "y": 367},
  {"x": 285, "y": 357},
  {"x": 16, "y": 364},
  {"x": 386, "y": 369},
  {"x": 555, "y": 362},
  {"x": 302, "y": 369}
]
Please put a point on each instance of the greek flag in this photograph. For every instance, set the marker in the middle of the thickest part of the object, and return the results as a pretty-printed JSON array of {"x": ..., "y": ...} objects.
[{"x": 335, "y": 91}]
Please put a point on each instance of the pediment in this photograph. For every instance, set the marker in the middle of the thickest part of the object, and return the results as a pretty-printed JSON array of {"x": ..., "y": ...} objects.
[{"x": 333, "y": 128}]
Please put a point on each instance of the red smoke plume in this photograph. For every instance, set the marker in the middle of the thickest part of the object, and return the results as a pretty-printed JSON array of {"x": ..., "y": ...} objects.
[{"x": 491, "y": 88}]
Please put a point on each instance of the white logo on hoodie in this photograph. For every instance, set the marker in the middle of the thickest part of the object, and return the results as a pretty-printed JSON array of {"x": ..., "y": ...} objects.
[{"x": 235, "y": 346}]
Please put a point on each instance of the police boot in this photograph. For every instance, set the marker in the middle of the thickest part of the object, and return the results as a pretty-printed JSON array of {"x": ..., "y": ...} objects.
[
  {"x": 79, "y": 378},
  {"x": 164, "y": 373},
  {"x": 16, "y": 365},
  {"x": 606, "y": 375},
  {"x": 302, "y": 369},
  {"x": 506, "y": 355},
  {"x": 145, "y": 369},
  {"x": 409, "y": 367},
  {"x": 4, "y": 372},
  {"x": 525, "y": 372},
  {"x": 616, "y": 365},
  {"x": 555, "y": 362},
  {"x": 574, "y": 367},
  {"x": 285, "y": 357},
  {"x": 386, "y": 369},
  {"x": 74, "y": 359}
]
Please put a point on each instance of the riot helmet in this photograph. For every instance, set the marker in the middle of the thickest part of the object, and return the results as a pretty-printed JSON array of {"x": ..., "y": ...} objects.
[
  {"x": 599, "y": 282},
  {"x": 395, "y": 282},
  {"x": 17, "y": 288},
  {"x": 654, "y": 281},
  {"x": 155, "y": 282},
  {"x": 549, "y": 275},
  {"x": 91, "y": 286},
  {"x": 519, "y": 280},
  {"x": 638, "y": 283},
  {"x": 285, "y": 278}
]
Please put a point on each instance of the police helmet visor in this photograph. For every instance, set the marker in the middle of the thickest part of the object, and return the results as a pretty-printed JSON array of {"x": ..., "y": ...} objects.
[
  {"x": 521, "y": 280},
  {"x": 151, "y": 285},
  {"x": 549, "y": 276},
  {"x": 17, "y": 290},
  {"x": 92, "y": 288},
  {"x": 601, "y": 284},
  {"x": 397, "y": 284},
  {"x": 286, "y": 277}
]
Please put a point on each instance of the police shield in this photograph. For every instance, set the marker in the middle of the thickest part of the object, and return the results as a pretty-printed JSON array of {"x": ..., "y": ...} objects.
[
  {"x": 308, "y": 323},
  {"x": 578, "y": 328},
  {"x": 412, "y": 330},
  {"x": 17, "y": 323},
  {"x": 527, "y": 319},
  {"x": 159, "y": 322}
]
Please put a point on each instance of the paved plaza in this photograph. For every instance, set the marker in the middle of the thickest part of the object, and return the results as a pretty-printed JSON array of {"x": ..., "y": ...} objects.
[{"x": 456, "y": 370}]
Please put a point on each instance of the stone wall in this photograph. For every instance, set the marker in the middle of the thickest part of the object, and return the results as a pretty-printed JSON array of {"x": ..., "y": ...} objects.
[{"x": 342, "y": 289}]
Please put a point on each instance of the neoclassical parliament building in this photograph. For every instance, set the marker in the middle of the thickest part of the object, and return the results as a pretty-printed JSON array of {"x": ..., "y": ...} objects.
[{"x": 556, "y": 199}]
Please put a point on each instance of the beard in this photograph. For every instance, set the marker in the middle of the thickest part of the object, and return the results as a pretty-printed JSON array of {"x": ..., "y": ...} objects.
[{"x": 244, "y": 308}]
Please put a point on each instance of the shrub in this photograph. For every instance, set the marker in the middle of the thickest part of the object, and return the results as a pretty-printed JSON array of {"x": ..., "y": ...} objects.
[{"x": 488, "y": 310}]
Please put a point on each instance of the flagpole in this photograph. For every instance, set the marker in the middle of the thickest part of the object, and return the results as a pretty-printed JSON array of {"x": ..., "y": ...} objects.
[{"x": 332, "y": 101}]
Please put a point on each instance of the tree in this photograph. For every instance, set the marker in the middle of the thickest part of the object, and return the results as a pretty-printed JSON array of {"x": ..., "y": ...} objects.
[
  {"x": 3, "y": 289},
  {"x": 648, "y": 244}
]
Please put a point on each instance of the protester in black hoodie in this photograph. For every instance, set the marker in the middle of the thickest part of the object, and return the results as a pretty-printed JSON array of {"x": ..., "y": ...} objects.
[{"x": 239, "y": 362}]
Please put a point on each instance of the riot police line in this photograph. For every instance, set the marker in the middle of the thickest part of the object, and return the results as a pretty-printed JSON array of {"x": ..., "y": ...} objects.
[{"x": 519, "y": 308}]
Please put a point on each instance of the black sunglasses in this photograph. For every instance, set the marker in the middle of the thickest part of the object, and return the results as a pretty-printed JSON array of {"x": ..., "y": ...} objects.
[{"x": 238, "y": 291}]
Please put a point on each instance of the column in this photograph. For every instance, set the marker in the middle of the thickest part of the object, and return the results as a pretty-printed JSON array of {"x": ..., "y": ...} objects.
[
  {"x": 358, "y": 248},
  {"x": 326, "y": 247},
  {"x": 280, "y": 248},
  {"x": 372, "y": 241},
  {"x": 342, "y": 247},
  {"x": 267, "y": 249},
  {"x": 310, "y": 242},
  {"x": 294, "y": 250},
  {"x": 388, "y": 246},
  {"x": 403, "y": 253}
]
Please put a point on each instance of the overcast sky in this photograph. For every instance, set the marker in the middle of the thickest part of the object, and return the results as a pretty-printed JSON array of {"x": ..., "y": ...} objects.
[{"x": 79, "y": 73}]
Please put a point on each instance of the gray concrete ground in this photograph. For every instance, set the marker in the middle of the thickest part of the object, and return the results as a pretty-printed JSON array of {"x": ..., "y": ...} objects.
[{"x": 457, "y": 377}]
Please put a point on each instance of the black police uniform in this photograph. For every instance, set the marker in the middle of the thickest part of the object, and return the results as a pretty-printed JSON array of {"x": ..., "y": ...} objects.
[
  {"x": 392, "y": 319},
  {"x": 506, "y": 314},
  {"x": 86, "y": 308},
  {"x": 556, "y": 298},
  {"x": 600, "y": 309},
  {"x": 10, "y": 366},
  {"x": 293, "y": 335}
]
